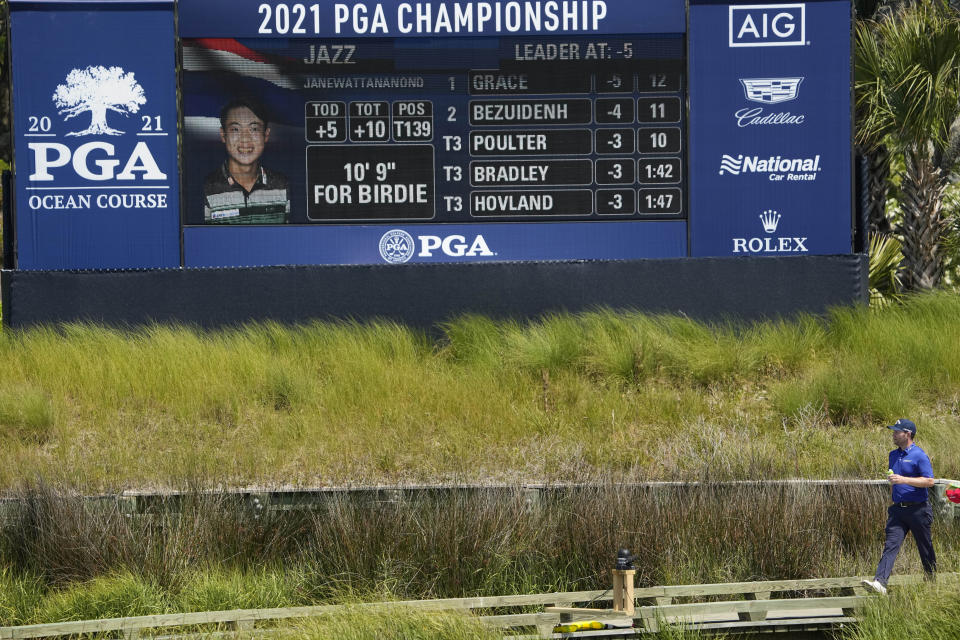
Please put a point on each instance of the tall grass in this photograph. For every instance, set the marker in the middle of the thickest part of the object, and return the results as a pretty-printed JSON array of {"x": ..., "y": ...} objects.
[
  {"x": 600, "y": 397},
  {"x": 21, "y": 595},
  {"x": 599, "y": 393},
  {"x": 116, "y": 596},
  {"x": 364, "y": 624},
  {"x": 367, "y": 624},
  {"x": 923, "y": 612},
  {"x": 73, "y": 559},
  {"x": 26, "y": 415}
]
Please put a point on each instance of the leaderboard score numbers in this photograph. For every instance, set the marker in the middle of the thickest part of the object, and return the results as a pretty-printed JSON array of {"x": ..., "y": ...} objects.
[{"x": 514, "y": 145}]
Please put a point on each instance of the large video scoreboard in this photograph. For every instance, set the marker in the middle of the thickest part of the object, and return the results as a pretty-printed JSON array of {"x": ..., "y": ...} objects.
[{"x": 398, "y": 132}]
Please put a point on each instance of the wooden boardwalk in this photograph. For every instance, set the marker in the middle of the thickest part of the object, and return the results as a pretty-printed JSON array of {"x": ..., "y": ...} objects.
[{"x": 774, "y": 606}]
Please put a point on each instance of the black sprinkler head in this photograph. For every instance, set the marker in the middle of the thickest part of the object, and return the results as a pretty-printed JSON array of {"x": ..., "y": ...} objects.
[{"x": 625, "y": 560}]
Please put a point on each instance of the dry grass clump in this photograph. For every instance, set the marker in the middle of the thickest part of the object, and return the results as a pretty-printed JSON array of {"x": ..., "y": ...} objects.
[{"x": 69, "y": 558}]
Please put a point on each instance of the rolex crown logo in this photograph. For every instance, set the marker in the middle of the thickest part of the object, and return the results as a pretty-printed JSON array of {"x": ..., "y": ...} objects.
[{"x": 770, "y": 220}]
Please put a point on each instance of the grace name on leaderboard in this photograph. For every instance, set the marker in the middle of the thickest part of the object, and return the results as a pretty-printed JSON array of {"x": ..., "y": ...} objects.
[{"x": 524, "y": 142}]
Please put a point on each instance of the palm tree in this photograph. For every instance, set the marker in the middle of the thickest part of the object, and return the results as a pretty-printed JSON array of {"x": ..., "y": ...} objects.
[
  {"x": 908, "y": 96},
  {"x": 874, "y": 153}
]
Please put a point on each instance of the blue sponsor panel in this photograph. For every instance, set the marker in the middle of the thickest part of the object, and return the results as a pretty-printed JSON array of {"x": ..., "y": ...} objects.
[
  {"x": 431, "y": 243},
  {"x": 95, "y": 135},
  {"x": 770, "y": 129},
  {"x": 398, "y": 19}
]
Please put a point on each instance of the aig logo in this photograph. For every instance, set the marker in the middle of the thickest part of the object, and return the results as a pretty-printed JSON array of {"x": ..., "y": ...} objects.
[{"x": 768, "y": 25}]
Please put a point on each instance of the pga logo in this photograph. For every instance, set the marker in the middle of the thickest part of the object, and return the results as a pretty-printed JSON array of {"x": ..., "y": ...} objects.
[
  {"x": 398, "y": 246},
  {"x": 94, "y": 92},
  {"x": 454, "y": 246},
  {"x": 768, "y": 25},
  {"x": 93, "y": 161}
]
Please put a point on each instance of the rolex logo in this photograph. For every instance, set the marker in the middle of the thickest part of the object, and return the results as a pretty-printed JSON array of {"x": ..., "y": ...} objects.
[
  {"x": 770, "y": 244},
  {"x": 770, "y": 220}
]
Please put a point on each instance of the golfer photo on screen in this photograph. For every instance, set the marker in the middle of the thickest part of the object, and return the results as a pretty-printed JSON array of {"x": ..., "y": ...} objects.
[{"x": 242, "y": 190}]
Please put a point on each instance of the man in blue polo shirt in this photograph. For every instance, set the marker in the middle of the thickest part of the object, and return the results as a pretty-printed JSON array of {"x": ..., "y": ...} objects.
[{"x": 911, "y": 474}]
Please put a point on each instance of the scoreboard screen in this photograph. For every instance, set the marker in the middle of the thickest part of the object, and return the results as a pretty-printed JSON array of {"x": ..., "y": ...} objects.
[
  {"x": 250, "y": 133},
  {"x": 440, "y": 131},
  {"x": 509, "y": 129}
]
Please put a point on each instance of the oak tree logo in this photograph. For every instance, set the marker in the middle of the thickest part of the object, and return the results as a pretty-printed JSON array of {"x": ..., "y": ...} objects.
[{"x": 98, "y": 90}]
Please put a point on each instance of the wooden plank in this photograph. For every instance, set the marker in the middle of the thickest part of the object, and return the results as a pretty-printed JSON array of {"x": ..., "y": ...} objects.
[
  {"x": 213, "y": 617},
  {"x": 806, "y": 584},
  {"x": 853, "y": 591},
  {"x": 755, "y": 615},
  {"x": 511, "y": 620},
  {"x": 535, "y": 619},
  {"x": 805, "y": 614},
  {"x": 609, "y": 613},
  {"x": 221, "y": 635},
  {"x": 491, "y": 602},
  {"x": 784, "y": 623},
  {"x": 629, "y": 599},
  {"x": 650, "y": 624},
  {"x": 606, "y": 633},
  {"x": 786, "y": 604},
  {"x": 772, "y": 615},
  {"x": 734, "y": 588},
  {"x": 545, "y": 626},
  {"x": 597, "y": 633}
]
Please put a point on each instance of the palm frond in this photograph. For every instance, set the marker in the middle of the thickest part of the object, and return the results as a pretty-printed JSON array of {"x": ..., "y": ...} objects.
[
  {"x": 907, "y": 75},
  {"x": 885, "y": 258}
]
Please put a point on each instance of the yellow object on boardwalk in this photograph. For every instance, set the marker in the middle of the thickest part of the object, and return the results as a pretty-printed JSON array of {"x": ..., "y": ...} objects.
[{"x": 571, "y": 627}]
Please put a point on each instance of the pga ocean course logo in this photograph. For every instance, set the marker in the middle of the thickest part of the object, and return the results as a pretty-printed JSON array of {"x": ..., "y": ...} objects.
[
  {"x": 770, "y": 221},
  {"x": 768, "y": 91},
  {"x": 768, "y": 25},
  {"x": 397, "y": 246},
  {"x": 96, "y": 92}
]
